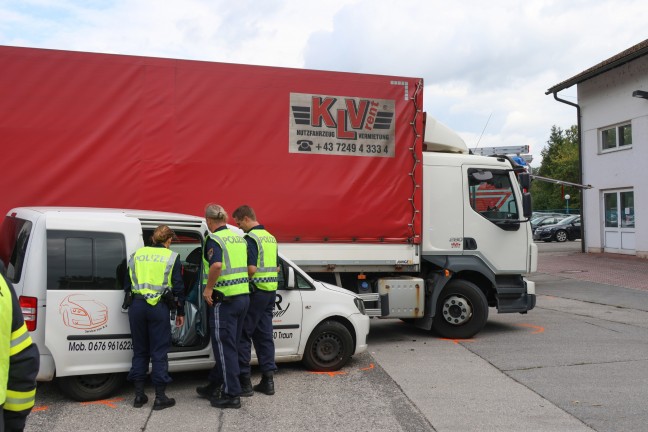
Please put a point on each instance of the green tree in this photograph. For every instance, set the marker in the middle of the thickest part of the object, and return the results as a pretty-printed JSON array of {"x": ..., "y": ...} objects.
[{"x": 559, "y": 162}]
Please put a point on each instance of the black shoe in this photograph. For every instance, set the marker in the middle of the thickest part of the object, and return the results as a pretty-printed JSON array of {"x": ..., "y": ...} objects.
[
  {"x": 209, "y": 390},
  {"x": 163, "y": 402},
  {"x": 266, "y": 386},
  {"x": 140, "y": 397},
  {"x": 225, "y": 401},
  {"x": 140, "y": 400},
  {"x": 246, "y": 386},
  {"x": 161, "y": 399}
]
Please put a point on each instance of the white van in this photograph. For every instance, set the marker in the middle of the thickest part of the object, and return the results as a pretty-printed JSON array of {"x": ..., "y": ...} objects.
[{"x": 68, "y": 267}]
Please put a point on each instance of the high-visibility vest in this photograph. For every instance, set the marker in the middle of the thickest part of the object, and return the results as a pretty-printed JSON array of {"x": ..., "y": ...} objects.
[
  {"x": 6, "y": 314},
  {"x": 12, "y": 343},
  {"x": 151, "y": 272},
  {"x": 233, "y": 279},
  {"x": 266, "y": 276}
]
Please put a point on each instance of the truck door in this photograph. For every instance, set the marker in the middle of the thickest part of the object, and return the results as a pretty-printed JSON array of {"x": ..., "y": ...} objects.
[
  {"x": 86, "y": 332},
  {"x": 492, "y": 214},
  {"x": 287, "y": 317}
]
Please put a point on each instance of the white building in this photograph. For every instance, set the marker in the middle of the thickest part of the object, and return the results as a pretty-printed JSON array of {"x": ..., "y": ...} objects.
[{"x": 613, "y": 122}]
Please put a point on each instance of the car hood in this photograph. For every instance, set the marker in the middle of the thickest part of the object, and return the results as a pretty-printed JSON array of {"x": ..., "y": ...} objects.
[{"x": 338, "y": 289}]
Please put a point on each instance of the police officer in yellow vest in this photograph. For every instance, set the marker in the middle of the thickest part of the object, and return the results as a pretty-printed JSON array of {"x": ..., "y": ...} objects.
[
  {"x": 227, "y": 293},
  {"x": 257, "y": 328},
  {"x": 19, "y": 362},
  {"x": 154, "y": 269}
]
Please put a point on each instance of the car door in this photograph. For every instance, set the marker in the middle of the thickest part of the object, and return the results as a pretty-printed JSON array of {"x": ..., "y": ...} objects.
[
  {"x": 287, "y": 315},
  {"x": 85, "y": 329},
  {"x": 574, "y": 229}
]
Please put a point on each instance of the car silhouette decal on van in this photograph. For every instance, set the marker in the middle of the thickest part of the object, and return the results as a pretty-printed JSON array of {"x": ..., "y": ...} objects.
[{"x": 82, "y": 312}]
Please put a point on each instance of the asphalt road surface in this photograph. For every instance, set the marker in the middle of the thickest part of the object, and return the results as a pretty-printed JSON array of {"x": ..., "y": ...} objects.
[{"x": 578, "y": 362}]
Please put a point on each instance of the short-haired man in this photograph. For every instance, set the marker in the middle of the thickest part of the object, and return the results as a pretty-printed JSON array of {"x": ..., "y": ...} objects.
[{"x": 263, "y": 269}]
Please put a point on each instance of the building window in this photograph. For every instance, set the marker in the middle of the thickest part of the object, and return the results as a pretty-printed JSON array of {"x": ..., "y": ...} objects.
[
  {"x": 611, "y": 214},
  {"x": 619, "y": 209},
  {"x": 616, "y": 137},
  {"x": 627, "y": 209}
]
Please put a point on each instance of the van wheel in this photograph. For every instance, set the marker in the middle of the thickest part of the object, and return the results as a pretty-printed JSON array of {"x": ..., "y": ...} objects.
[
  {"x": 85, "y": 388},
  {"x": 329, "y": 347},
  {"x": 461, "y": 311}
]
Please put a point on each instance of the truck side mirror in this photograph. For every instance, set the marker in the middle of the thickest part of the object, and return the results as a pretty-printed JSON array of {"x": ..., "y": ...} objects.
[
  {"x": 291, "y": 278},
  {"x": 525, "y": 180},
  {"x": 526, "y": 205}
]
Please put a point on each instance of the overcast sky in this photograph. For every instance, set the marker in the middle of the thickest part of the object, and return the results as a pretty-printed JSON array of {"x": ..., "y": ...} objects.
[{"x": 486, "y": 64}]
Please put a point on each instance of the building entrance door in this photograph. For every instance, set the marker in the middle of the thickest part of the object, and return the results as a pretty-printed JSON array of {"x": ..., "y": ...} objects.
[{"x": 619, "y": 222}]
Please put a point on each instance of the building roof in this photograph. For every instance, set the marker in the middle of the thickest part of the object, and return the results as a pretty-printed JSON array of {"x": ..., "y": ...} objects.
[{"x": 617, "y": 60}]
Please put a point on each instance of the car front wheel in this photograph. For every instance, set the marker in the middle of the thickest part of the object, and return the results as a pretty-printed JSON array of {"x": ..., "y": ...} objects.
[{"x": 329, "y": 347}]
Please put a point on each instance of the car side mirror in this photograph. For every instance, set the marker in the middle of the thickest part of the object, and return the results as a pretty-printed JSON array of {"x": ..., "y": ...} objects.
[{"x": 291, "y": 278}]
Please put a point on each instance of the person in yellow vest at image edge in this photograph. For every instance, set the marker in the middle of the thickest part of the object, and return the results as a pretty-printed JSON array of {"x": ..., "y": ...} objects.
[
  {"x": 257, "y": 329},
  {"x": 227, "y": 294},
  {"x": 19, "y": 362},
  {"x": 157, "y": 289}
]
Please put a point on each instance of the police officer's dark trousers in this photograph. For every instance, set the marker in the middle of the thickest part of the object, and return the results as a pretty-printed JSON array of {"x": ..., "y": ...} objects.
[
  {"x": 226, "y": 326},
  {"x": 257, "y": 330},
  {"x": 151, "y": 333}
]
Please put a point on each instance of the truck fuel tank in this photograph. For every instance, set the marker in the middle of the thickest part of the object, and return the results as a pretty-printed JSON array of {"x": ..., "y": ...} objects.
[{"x": 401, "y": 297}]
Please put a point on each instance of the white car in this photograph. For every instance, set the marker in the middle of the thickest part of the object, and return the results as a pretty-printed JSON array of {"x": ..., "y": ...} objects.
[{"x": 68, "y": 266}]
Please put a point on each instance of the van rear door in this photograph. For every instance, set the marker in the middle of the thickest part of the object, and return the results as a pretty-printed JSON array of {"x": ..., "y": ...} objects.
[{"x": 86, "y": 332}]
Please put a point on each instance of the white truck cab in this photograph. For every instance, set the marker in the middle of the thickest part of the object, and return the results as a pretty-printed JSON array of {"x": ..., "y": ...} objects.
[{"x": 68, "y": 266}]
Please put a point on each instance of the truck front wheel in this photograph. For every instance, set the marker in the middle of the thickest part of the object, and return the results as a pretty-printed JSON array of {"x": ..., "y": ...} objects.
[
  {"x": 329, "y": 347},
  {"x": 461, "y": 312},
  {"x": 85, "y": 388}
]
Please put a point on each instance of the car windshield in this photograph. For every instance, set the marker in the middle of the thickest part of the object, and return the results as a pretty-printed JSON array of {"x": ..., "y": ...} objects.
[{"x": 568, "y": 220}]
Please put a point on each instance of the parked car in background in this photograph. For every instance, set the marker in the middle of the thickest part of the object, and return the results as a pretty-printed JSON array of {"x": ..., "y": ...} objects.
[
  {"x": 537, "y": 214},
  {"x": 545, "y": 220},
  {"x": 566, "y": 229}
]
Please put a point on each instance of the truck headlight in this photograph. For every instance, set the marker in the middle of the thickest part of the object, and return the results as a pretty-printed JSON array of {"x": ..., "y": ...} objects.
[{"x": 360, "y": 305}]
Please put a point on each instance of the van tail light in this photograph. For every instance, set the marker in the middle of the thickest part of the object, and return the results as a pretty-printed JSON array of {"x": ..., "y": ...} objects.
[{"x": 29, "y": 306}]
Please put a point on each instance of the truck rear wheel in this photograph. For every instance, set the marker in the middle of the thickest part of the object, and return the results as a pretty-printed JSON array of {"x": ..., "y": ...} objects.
[
  {"x": 85, "y": 388},
  {"x": 461, "y": 311},
  {"x": 329, "y": 347}
]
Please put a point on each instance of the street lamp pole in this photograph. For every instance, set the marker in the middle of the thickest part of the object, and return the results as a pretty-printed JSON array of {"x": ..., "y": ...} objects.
[{"x": 567, "y": 203}]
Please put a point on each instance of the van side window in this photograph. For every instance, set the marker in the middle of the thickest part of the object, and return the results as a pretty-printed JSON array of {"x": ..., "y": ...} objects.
[
  {"x": 300, "y": 282},
  {"x": 85, "y": 260}
]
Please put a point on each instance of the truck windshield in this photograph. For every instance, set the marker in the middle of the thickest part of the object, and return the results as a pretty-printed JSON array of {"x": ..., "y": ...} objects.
[
  {"x": 491, "y": 194},
  {"x": 14, "y": 237}
]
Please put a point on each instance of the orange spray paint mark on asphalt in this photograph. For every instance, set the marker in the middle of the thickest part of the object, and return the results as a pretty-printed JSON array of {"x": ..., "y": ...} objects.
[
  {"x": 536, "y": 329},
  {"x": 107, "y": 402},
  {"x": 40, "y": 408},
  {"x": 457, "y": 341},
  {"x": 331, "y": 374},
  {"x": 371, "y": 366}
]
